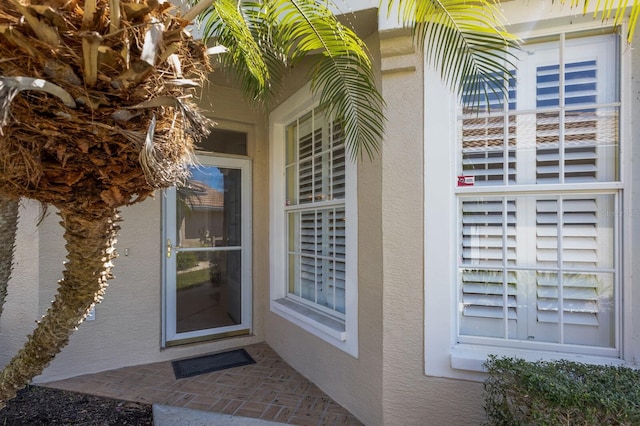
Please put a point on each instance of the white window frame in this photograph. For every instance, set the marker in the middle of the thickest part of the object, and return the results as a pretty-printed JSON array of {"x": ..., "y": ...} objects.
[
  {"x": 341, "y": 333},
  {"x": 444, "y": 356}
]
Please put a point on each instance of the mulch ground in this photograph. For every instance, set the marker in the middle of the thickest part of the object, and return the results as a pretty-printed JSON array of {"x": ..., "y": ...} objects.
[{"x": 40, "y": 406}]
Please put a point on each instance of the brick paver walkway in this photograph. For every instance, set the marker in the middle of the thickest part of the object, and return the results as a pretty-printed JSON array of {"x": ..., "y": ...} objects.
[{"x": 268, "y": 390}]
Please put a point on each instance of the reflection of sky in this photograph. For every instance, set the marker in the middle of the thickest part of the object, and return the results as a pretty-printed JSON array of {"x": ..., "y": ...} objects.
[{"x": 210, "y": 175}]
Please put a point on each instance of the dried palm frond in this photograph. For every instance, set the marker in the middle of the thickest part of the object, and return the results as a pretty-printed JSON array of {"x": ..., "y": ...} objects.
[
  {"x": 11, "y": 86},
  {"x": 75, "y": 83}
]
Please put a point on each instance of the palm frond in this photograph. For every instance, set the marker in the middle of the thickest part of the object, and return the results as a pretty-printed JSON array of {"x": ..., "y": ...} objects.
[
  {"x": 347, "y": 93},
  {"x": 617, "y": 9},
  {"x": 261, "y": 22},
  {"x": 465, "y": 41},
  {"x": 343, "y": 76},
  {"x": 226, "y": 22},
  {"x": 283, "y": 32},
  {"x": 10, "y": 86}
]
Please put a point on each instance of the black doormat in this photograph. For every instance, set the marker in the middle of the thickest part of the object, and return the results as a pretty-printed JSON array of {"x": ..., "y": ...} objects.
[{"x": 208, "y": 363}]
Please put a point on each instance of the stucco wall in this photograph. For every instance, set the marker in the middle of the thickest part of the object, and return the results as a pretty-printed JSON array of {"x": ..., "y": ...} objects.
[
  {"x": 410, "y": 397},
  {"x": 127, "y": 325},
  {"x": 21, "y": 305}
]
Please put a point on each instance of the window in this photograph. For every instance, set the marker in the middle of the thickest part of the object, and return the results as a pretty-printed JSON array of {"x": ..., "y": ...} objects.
[
  {"x": 539, "y": 267},
  {"x": 315, "y": 180},
  {"x": 224, "y": 141},
  {"x": 313, "y": 270},
  {"x": 538, "y": 184}
]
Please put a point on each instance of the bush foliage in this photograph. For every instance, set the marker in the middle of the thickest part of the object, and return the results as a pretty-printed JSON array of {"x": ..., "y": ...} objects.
[
  {"x": 518, "y": 392},
  {"x": 186, "y": 260}
]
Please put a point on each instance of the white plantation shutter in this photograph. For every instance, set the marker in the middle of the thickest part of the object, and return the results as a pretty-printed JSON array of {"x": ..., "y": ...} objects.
[
  {"x": 580, "y": 297},
  {"x": 483, "y": 150},
  {"x": 485, "y": 228},
  {"x": 483, "y": 294},
  {"x": 488, "y": 298},
  {"x": 336, "y": 285},
  {"x": 308, "y": 268},
  {"x": 317, "y": 231},
  {"x": 579, "y": 248},
  {"x": 483, "y": 138},
  {"x": 539, "y": 266},
  {"x": 488, "y": 239},
  {"x": 569, "y": 244},
  {"x": 579, "y": 131},
  {"x": 579, "y": 301},
  {"x": 305, "y": 144},
  {"x": 580, "y": 233},
  {"x": 338, "y": 162}
]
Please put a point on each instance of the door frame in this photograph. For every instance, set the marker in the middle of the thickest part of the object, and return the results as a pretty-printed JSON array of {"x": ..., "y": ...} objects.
[{"x": 169, "y": 335}]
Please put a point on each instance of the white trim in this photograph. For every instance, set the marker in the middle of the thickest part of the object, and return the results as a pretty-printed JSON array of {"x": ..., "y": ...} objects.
[
  {"x": 301, "y": 315},
  {"x": 309, "y": 319},
  {"x": 439, "y": 207},
  {"x": 626, "y": 168},
  {"x": 472, "y": 357},
  {"x": 443, "y": 356},
  {"x": 562, "y": 189}
]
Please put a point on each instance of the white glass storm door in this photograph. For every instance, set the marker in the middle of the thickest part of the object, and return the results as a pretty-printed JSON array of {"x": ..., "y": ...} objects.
[{"x": 207, "y": 253}]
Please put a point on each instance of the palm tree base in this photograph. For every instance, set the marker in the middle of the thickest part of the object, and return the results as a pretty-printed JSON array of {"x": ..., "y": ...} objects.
[{"x": 90, "y": 246}]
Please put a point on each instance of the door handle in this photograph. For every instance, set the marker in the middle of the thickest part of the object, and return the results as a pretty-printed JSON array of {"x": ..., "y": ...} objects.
[{"x": 170, "y": 246}]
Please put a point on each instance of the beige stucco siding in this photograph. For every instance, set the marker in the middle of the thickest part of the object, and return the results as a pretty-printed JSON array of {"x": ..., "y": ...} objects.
[
  {"x": 21, "y": 305},
  {"x": 410, "y": 397}
]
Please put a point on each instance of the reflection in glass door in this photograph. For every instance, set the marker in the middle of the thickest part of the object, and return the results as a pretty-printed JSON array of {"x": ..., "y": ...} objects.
[{"x": 208, "y": 259}]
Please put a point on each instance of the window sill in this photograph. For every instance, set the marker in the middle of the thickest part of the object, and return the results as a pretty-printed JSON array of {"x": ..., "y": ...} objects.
[
  {"x": 472, "y": 357},
  {"x": 311, "y": 320}
]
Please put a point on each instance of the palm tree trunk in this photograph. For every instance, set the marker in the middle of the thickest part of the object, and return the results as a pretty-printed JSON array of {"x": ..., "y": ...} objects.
[
  {"x": 8, "y": 227},
  {"x": 90, "y": 248}
]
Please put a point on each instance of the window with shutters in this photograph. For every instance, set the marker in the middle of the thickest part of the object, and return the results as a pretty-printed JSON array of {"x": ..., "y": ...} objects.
[
  {"x": 315, "y": 206},
  {"x": 313, "y": 279},
  {"x": 538, "y": 166}
]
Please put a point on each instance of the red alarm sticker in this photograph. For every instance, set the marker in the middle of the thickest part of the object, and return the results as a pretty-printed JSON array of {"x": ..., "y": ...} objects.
[{"x": 466, "y": 180}]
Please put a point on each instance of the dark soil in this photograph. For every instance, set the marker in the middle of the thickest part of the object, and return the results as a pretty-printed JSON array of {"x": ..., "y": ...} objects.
[{"x": 40, "y": 406}]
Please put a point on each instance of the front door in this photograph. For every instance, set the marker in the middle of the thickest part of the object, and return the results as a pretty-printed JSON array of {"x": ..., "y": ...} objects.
[{"x": 207, "y": 253}]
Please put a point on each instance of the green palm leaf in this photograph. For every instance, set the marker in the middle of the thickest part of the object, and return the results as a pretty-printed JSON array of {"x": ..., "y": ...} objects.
[
  {"x": 465, "y": 41},
  {"x": 343, "y": 75},
  {"x": 618, "y": 9},
  {"x": 227, "y": 22},
  {"x": 283, "y": 32}
]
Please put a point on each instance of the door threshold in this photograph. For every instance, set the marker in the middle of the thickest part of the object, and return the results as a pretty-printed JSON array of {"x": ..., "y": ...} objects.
[{"x": 208, "y": 338}]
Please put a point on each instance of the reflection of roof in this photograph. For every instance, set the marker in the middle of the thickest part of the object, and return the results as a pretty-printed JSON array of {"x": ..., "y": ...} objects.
[{"x": 198, "y": 194}]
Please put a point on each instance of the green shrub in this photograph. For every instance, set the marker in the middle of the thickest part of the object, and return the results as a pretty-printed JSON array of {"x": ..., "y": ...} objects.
[
  {"x": 186, "y": 260},
  {"x": 518, "y": 392}
]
